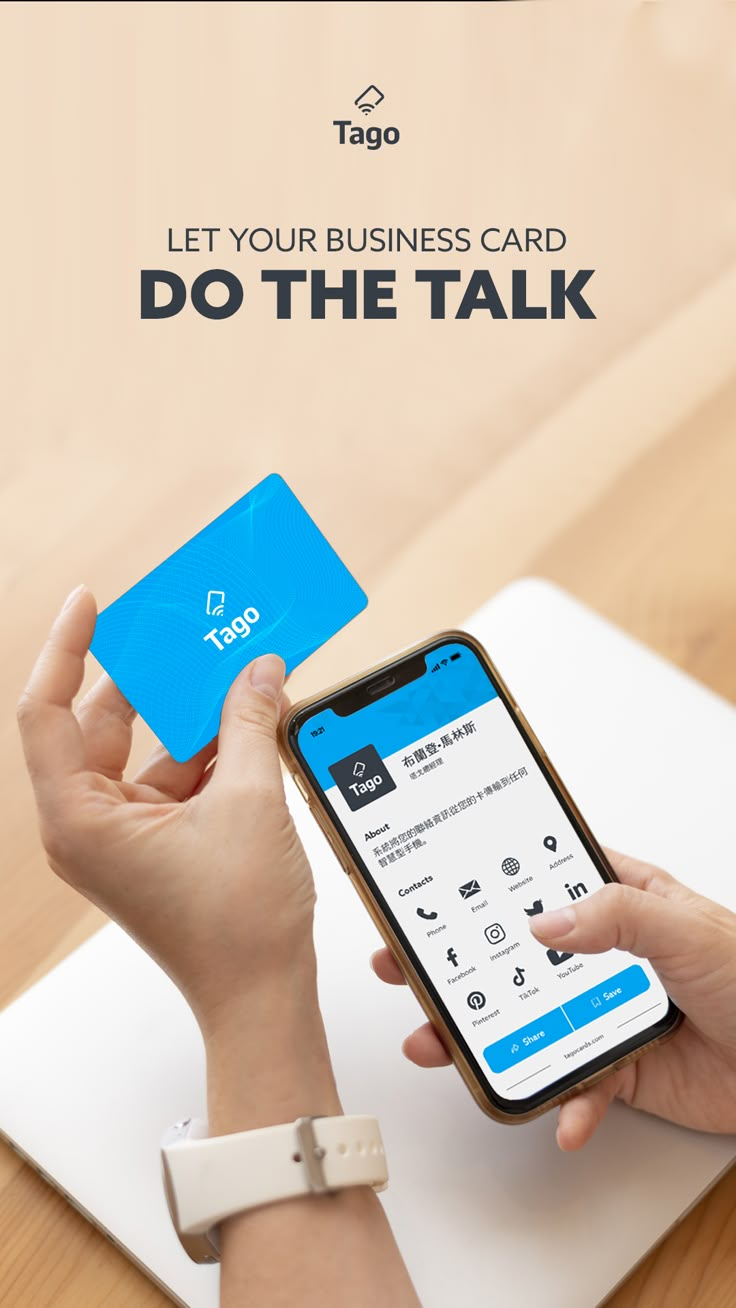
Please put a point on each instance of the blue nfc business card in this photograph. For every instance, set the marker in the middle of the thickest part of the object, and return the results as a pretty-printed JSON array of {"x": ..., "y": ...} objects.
[{"x": 260, "y": 579}]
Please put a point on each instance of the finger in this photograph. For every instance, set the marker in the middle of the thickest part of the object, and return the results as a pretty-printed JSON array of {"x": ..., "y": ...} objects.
[
  {"x": 176, "y": 780},
  {"x": 106, "y": 719},
  {"x": 247, "y": 740},
  {"x": 645, "y": 876},
  {"x": 52, "y": 739},
  {"x": 581, "y": 1116},
  {"x": 204, "y": 780},
  {"x": 425, "y": 1048},
  {"x": 386, "y": 968},
  {"x": 622, "y": 917}
]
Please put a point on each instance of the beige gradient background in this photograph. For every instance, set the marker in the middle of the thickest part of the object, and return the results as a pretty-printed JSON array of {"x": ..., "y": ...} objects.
[{"x": 441, "y": 458}]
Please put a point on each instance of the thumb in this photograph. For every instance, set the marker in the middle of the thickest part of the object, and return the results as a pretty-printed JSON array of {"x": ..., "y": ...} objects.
[
  {"x": 666, "y": 931},
  {"x": 247, "y": 750}
]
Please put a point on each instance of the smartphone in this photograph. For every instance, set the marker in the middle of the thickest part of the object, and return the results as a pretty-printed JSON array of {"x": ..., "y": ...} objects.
[{"x": 455, "y": 829}]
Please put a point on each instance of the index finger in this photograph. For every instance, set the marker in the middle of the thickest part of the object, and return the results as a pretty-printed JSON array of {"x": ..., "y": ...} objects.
[{"x": 52, "y": 738}]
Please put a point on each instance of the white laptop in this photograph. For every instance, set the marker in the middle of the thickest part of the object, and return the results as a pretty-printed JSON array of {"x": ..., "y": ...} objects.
[{"x": 99, "y": 1057}]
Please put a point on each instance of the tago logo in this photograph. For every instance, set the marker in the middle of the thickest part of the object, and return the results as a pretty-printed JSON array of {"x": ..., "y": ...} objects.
[
  {"x": 371, "y": 137},
  {"x": 240, "y": 626},
  {"x": 362, "y": 777}
]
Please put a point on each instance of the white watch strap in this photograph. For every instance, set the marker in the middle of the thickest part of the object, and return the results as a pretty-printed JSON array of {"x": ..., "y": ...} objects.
[{"x": 210, "y": 1179}]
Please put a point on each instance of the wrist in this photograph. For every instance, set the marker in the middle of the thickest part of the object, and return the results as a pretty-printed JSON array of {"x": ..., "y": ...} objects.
[
  {"x": 267, "y": 1056},
  {"x": 255, "y": 982}
]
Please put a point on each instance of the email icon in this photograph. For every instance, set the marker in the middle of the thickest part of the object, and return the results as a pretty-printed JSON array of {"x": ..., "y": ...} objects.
[{"x": 469, "y": 888}]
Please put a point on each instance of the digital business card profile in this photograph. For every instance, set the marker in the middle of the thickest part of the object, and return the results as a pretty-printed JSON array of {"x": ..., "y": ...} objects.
[{"x": 486, "y": 836}]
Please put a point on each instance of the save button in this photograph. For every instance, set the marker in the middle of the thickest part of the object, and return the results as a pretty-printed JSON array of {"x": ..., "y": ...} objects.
[{"x": 603, "y": 998}]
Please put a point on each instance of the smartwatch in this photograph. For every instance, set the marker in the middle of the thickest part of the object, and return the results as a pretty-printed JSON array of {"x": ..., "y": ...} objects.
[{"x": 207, "y": 1179}]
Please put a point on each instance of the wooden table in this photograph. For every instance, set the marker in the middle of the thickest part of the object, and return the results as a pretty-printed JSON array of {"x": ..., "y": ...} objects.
[{"x": 442, "y": 459}]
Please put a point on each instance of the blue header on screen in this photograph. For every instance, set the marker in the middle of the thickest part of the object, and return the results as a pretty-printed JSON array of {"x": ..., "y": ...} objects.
[{"x": 419, "y": 709}]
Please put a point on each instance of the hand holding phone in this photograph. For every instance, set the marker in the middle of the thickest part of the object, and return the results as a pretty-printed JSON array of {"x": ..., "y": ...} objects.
[
  {"x": 457, "y": 832},
  {"x": 690, "y": 1079}
]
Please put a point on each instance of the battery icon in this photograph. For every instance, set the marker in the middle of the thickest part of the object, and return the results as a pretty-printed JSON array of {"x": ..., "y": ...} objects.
[{"x": 453, "y": 657}]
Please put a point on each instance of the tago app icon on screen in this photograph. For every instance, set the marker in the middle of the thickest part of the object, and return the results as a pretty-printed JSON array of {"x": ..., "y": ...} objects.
[{"x": 362, "y": 777}]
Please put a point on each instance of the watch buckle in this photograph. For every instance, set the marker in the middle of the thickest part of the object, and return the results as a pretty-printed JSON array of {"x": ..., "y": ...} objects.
[{"x": 311, "y": 1154}]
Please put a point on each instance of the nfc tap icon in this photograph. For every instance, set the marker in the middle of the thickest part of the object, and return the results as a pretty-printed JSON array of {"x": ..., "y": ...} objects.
[
  {"x": 215, "y": 603},
  {"x": 369, "y": 99}
]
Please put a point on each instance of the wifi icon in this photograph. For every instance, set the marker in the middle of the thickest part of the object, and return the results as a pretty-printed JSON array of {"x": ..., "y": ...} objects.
[
  {"x": 369, "y": 99},
  {"x": 215, "y": 603}
]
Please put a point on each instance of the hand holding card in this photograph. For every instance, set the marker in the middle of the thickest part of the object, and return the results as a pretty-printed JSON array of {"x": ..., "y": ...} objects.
[{"x": 261, "y": 578}]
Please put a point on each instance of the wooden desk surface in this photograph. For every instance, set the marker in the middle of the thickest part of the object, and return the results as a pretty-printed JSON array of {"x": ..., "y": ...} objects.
[{"x": 442, "y": 459}]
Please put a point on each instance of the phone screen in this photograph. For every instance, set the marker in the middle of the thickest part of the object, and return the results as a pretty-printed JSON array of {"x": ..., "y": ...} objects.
[{"x": 462, "y": 836}]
